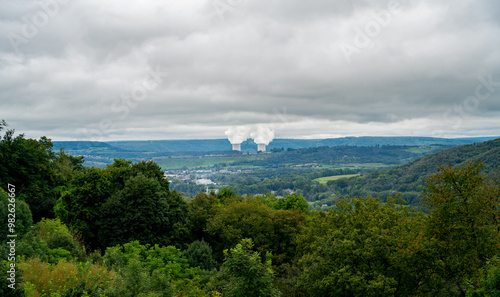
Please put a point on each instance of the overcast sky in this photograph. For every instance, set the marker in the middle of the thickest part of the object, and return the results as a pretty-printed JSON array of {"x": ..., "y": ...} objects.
[{"x": 182, "y": 69}]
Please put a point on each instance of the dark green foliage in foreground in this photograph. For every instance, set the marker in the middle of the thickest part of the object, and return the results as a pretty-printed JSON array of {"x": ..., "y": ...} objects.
[
  {"x": 5, "y": 290},
  {"x": 199, "y": 254},
  {"x": 463, "y": 223},
  {"x": 50, "y": 241},
  {"x": 244, "y": 274},
  {"x": 37, "y": 173},
  {"x": 363, "y": 247},
  {"x": 271, "y": 230},
  {"x": 124, "y": 202},
  {"x": 166, "y": 259},
  {"x": 144, "y": 269},
  {"x": 58, "y": 236},
  {"x": 139, "y": 211},
  {"x": 350, "y": 250},
  {"x": 490, "y": 282},
  {"x": 202, "y": 208},
  {"x": 360, "y": 247},
  {"x": 21, "y": 219}
]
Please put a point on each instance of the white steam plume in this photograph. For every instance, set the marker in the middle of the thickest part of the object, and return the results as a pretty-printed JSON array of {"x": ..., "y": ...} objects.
[
  {"x": 261, "y": 134},
  {"x": 238, "y": 134}
]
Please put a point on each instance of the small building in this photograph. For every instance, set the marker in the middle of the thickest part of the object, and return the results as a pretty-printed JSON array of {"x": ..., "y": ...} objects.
[{"x": 204, "y": 181}]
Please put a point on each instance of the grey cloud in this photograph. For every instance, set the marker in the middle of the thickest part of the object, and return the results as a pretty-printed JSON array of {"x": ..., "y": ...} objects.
[{"x": 266, "y": 62}]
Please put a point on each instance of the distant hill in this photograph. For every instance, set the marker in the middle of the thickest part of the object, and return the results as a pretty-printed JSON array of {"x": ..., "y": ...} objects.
[
  {"x": 80, "y": 145},
  {"x": 195, "y": 145},
  {"x": 219, "y": 145},
  {"x": 347, "y": 155},
  {"x": 408, "y": 179},
  {"x": 405, "y": 140}
]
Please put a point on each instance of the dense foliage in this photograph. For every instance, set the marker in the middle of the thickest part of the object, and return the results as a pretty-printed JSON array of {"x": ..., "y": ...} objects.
[
  {"x": 122, "y": 203},
  {"x": 32, "y": 166},
  {"x": 351, "y": 250},
  {"x": 244, "y": 274}
]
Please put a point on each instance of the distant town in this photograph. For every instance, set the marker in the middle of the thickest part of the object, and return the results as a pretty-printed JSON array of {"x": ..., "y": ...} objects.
[{"x": 199, "y": 176}]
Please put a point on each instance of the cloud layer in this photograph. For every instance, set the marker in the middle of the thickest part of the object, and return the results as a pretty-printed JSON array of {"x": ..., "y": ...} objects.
[{"x": 110, "y": 70}]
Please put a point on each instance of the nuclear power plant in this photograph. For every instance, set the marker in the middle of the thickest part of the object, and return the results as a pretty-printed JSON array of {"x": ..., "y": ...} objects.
[{"x": 262, "y": 136}]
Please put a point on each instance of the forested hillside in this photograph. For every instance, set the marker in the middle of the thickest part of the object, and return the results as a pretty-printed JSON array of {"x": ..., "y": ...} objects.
[
  {"x": 409, "y": 178},
  {"x": 387, "y": 154}
]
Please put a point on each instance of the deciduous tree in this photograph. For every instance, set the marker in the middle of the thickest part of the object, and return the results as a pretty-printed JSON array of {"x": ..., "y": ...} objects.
[
  {"x": 463, "y": 223},
  {"x": 244, "y": 274}
]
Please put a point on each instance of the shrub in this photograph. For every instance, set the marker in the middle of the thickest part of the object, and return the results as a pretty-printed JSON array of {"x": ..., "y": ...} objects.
[
  {"x": 65, "y": 278},
  {"x": 57, "y": 235}
]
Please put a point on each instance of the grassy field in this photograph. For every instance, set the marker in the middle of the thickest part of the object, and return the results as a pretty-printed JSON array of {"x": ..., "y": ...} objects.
[
  {"x": 365, "y": 165},
  {"x": 324, "y": 180}
]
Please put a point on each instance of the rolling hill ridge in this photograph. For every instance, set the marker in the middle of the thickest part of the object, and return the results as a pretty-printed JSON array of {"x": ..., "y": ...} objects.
[{"x": 408, "y": 179}]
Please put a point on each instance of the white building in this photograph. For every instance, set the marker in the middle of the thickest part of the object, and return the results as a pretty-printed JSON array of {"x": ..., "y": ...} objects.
[{"x": 204, "y": 181}]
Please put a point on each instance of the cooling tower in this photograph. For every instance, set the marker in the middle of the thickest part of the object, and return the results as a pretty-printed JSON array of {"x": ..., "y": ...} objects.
[
  {"x": 237, "y": 147},
  {"x": 261, "y": 147}
]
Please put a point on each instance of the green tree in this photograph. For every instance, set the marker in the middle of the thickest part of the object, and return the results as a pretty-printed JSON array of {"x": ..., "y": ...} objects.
[
  {"x": 168, "y": 259},
  {"x": 27, "y": 164},
  {"x": 189, "y": 288},
  {"x": 21, "y": 215},
  {"x": 136, "y": 280},
  {"x": 81, "y": 206},
  {"x": 65, "y": 168},
  {"x": 463, "y": 224},
  {"x": 178, "y": 214},
  {"x": 349, "y": 250},
  {"x": 38, "y": 173},
  {"x": 149, "y": 269},
  {"x": 5, "y": 290},
  {"x": 138, "y": 212},
  {"x": 271, "y": 230},
  {"x": 227, "y": 196},
  {"x": 124, "y": 202},
  {"x": 199, "y": 254},
  {"x": 58, "y": 236},
  {"x": 244, "y": 274},
  {"x": 490, "y": 282},
  {"x": 202, "y": 208},
  {"x": 292, "y": 202}
]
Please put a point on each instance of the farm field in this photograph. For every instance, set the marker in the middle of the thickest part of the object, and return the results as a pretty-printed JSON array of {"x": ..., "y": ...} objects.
[{"x": 324, "y": 180}]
